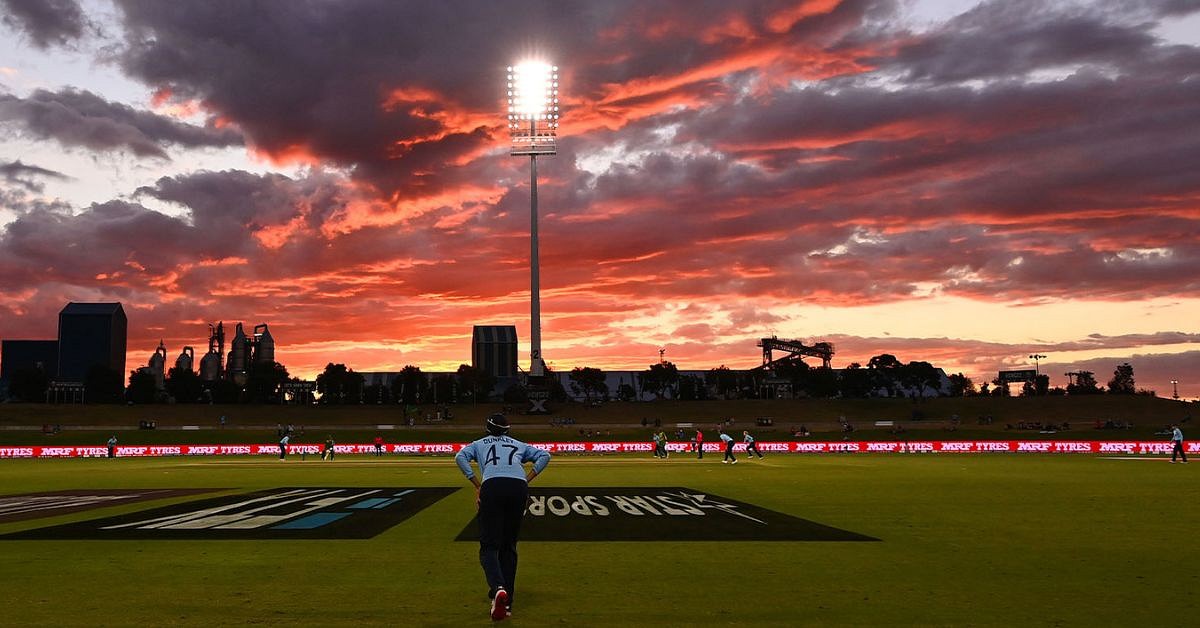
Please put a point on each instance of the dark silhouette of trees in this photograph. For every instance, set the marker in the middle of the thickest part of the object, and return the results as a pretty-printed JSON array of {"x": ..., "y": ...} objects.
[
  {"x": 917, "y": 376},
  {"x": 659, "y": 379},
  {"x": 411, "y": 387},
  {"x": 339, "y": 385},
  {"x": 885, "y": 369},
  {"x": 29, "y": 384},
  {"x": 855, "y": 381},
  {"x": 477, "y": 384},
  {"x": 961, "y": 385},
  {"x": 183, "y": 385},
  {"x": 142, "y": 387},
  {"x": 1122, "y": 380},
  {"x": 1084, "y": 384},
  {"x": 264, "y": 382},
  {"x": 588, "y": 381},
  {"x": 103, "y": 385},
  {"x": 723, "y": 382}
]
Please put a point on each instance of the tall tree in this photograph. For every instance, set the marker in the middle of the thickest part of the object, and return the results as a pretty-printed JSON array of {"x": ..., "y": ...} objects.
[
  {"x": 961, "y": 385},
  {"x": 142, "y": 387},
  {"x": 1084, "y": 384},
  {"x": 411, "y": 386},
  {"x": 184, "y": 385},
  {"x": 723, "y": 382},
  {"x": 885, "y": 371},
  {"x": 589, "y": 381},
  {"x": 265, "y": 380},
  {"x": 338, "y": 384},
  {"x": 855, "y": 381},
  {"x": 1122, "y": 380},
  {"x": 659, "y": 379}
]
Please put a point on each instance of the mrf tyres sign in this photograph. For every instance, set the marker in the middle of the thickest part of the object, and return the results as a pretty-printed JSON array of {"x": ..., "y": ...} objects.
[{"x": 657, "y": 514}]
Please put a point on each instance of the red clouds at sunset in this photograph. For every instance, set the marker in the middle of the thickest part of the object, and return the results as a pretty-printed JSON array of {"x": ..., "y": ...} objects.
[{"x": 726, "y": 170}]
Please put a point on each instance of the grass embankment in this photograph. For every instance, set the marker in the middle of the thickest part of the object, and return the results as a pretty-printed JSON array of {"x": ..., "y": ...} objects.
[{"x": 929, "y": 419}]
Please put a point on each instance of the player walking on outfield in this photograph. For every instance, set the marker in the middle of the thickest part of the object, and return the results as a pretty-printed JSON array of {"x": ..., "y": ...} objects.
[
  {"x": 728, "y": 448},
  {"x": 662, "y": 445},
  {"x": 378, "y": 445},
  {"x": 283, "y": 443},
  {"x": 1177, "y": 439},
  {"x": 327, "y": 454},
  {"x": 500, "y": 498},
  {"x": 112, "y": 447},
  {"x": 751, "y": 446},
  {"x": 699, "y": 445}
]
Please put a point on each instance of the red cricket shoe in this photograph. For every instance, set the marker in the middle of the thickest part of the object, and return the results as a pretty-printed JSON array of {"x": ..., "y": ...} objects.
[{"x": 499, "y": 605}]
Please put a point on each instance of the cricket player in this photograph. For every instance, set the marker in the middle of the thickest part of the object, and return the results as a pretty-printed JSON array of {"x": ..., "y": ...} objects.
[
  {"x": 751, "y": 445},
  {"x": 501, "y": 498},
  {"x": 1177, "y": 441},
  {"x": 327, "y": 454},
  {"x": 728, "y": 440}
]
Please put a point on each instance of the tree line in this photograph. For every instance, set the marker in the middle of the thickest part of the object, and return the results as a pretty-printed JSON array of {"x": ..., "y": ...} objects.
[{"x": 883, "y": 375}]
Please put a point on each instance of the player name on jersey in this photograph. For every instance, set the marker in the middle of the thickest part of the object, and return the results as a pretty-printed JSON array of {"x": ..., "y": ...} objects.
[{"x": 658, "y": 514}]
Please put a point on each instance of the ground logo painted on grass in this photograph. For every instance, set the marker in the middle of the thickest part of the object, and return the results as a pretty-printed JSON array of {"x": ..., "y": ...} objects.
[
  {"x": 657, "y": 514},
  {"x": 280, "y": 513},
  {"x": 35, "y": 505}
]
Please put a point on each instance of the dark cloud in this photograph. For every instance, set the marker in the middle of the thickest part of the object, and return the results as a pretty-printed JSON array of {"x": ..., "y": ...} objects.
[
  {"x": 81, "y": 118},
  {"x": 26, "y": 175},
  {"x": 1016, "y": 37},
  {"x": 737, "y": 156},
  {"x": 46, "y": 22}
]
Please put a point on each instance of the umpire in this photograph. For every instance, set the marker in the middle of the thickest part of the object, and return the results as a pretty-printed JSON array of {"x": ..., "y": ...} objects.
[{"x": 501, "y": 498}]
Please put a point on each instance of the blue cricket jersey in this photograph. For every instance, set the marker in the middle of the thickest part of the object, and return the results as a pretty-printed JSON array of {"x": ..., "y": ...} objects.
[
  {"x": 748, "y": 438},
  {"x": 1177, "y": 434},
  {"x": 726, "y": 437},
  {"x": 500, "y": 457}
]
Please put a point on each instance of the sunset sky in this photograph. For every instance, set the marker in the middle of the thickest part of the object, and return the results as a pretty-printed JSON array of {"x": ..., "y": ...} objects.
[{"x": 960, "y": 182}]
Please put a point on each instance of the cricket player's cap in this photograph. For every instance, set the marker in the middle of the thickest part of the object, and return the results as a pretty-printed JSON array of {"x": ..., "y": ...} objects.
[{"x": 497, "y": 424}]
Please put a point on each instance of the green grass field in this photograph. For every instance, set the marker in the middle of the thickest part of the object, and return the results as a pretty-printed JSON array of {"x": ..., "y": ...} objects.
[{"x": 967, "y": 540}]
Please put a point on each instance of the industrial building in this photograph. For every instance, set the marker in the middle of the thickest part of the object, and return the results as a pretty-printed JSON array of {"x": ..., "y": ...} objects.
[
  {"x": 244, "y": 352},
  {"x": 494, "y": 350},
  {"x": 90, "y": 335},
  {"x": 16, "y": 355}
]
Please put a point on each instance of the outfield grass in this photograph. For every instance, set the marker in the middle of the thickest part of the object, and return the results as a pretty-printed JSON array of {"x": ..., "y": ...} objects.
[{"x": 980, "y": 540}]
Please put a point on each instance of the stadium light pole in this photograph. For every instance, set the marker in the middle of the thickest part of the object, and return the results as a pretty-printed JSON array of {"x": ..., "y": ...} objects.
[
  {"x": 1037, "y": 369},
  {"x": 1175, "y": 386},
  {"x": 532, "y": 125}
]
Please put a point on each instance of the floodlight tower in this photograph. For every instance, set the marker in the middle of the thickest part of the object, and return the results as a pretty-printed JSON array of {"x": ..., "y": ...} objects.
[{"x": 532, "y": 124}]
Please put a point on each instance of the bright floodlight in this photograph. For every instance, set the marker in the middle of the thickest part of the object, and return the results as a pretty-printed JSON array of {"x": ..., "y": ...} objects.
[{"x": 533, "y": 107}]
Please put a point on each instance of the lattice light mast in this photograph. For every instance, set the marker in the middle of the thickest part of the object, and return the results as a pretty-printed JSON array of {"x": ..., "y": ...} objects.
[{"x": 532, "y": 124}]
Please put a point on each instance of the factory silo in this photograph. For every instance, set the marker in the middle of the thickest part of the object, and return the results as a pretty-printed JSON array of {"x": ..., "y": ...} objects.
[
  {"x": 264, "y": 345},
  {"x": 158, "y": 363},
  {"x": 239, "y": 356},
  {"x": 210, "y": 364},
  {"x": 185, "y": 360}
]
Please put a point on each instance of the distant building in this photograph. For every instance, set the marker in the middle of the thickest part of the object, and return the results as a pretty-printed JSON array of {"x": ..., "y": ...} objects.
[
  {"x": 494, "y": 350},
  {"x": 89, "y": 335},
  {"x": 25, "y": 354}
]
